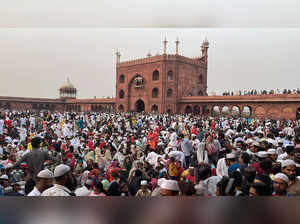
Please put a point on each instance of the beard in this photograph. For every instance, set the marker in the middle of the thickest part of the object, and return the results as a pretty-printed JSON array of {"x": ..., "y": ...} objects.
[{"x": 292, "y": 177}]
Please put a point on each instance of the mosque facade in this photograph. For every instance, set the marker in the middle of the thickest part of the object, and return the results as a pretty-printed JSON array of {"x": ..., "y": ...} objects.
[{"x": 164, "y": 83}]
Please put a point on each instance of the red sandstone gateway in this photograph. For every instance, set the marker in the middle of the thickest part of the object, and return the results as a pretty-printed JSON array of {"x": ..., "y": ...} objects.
[{"x": 166, "y": 83}]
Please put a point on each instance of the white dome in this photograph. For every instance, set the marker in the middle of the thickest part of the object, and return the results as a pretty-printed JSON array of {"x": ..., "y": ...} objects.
[{"x": 67, "y": 85}]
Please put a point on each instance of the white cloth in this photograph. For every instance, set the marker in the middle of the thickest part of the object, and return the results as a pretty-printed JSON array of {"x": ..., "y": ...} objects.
[
  {"x": 34, "y": 192},
  {"x": 282, "y": 156},
  {"x": 222, "y": 169},
  {"x": 152, "y": 158},
  {"x": 57, "y": 190},
  {"x": 1, "y": 126},
  {"x": 178, "y": 156},
  {"x": 202, "y": 156}
]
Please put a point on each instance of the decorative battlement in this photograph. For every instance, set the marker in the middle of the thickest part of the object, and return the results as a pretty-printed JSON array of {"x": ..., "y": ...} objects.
[{"x": 168, "y": 57}]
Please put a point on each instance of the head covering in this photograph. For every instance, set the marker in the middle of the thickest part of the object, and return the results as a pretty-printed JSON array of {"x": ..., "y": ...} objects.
[
  {"x": 262, "y": 154},
  {"x": 255, "y": 143},
  {"x": 171, "y": 185},
  {"x": 45, "y": 174},
  {"x": 230, "y": 156},
  {"x": 61, "y": 170},
  {"x": 143, "y": 182},
  {"x": 282, "y": 176},
  {"x": 4, "y": 177},
  {"x": 287, "y": 162},
  {"x": 82, "y": 192},
  {"x": 272, "y": 151}
]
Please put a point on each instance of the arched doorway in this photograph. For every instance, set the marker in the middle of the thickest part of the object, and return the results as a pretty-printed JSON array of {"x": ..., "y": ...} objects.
[
  {"x": 298, "y": 113},
  {"x": 205, "y": 110},
  {"x": 215, "y": 111},
  {"x": 188, "y": 110},
  {"x": 154, "y": 108},
  {"x": 121, "y": 108},
  {"x": 225, "y": 111},
  {"x": 196, "y": 109},
  {"x": 247, "y": 112},
  {"x": 235, "y": 111},
  {"x": 139, "y": 106}
]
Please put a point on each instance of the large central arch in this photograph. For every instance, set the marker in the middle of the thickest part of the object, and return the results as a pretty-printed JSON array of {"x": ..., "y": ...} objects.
[{"x": 139, "y": 106}]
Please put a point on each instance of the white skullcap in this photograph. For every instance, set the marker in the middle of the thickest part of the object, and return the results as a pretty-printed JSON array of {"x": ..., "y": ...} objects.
[
  {"x": 249, "y": 141},
  {"x": 144, "y": 182},
  {"x": 82, "y": 192},
  {"x": 263, "y": 154},
  {"x": 282, "y": 176},
  {"x": 230, "y": 156},
  {"x": 272, "y": 151},
  {"x": 260, "y": 132},
  {"x": 171, "y": 185},
  {"x": 193, "y": 135},
  {"x": 160, "y": 181},
  {"x": 287, "y": 162},
  {"x": 255, "y": 143},
  {"x": 45, "y": 174},
  {"x": 61, "y": 170},
  {"x": 4, "y": 177}
]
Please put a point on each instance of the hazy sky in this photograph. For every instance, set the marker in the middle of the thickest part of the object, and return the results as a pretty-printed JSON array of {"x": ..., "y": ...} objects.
[{"x": 44, "y": 42}]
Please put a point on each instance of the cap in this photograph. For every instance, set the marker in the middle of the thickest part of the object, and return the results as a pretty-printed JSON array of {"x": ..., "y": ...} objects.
[
  {"x": 249, "y": 141},
  {"x": 287, "y": 162},
  {"x": 171, "y": 185},
  {"x": 61, "y": 170},
  {"x": 255, "y": 143},
  {"x": 272, "y": 151},
  {"x": 160, "y": 181},
  {"x": 282, "y": 176},
  {"x": 143, "y": 182},
  {"x": 263, "y": 154},
  {"x": 82, "y": 192},
  {"x": 45, "y": 174},
  {"x": 230, "y": 156},
  {"x": 4, "y": 177}
]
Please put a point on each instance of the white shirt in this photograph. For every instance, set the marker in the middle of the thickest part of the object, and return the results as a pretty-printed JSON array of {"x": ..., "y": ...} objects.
[
  {"x": 57, "y": 190},
  {"x": 222, "y": 169},
  {"x": 34, "y": 192}
]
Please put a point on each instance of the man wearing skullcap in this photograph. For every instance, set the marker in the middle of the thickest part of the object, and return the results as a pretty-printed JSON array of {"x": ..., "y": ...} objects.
[
  {"x": 280, "y": 184},
  {"x": 64, "y": 182},
  {"x": 273, "y": 154},
  {"x": 143, "y": 191},
  {"x": 288, "y": 167},
  {"x": 44, "y": 181},
  {"x": 169, "y": 188}
]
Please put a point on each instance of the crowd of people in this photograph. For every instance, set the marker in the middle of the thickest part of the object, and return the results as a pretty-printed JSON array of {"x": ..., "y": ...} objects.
[
  {"x": 141, "y": 155},
  {"x": 261, "y": 92}
]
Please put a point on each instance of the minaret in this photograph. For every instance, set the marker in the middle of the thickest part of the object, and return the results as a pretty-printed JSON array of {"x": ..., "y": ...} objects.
[
  {"x": 204, "y": 49},
  {"x": 118, "y": 56},
  {"x": 149, "y": 54},
  {"x": 177, "y": 43},
  {"x": 165, "y": 45}
]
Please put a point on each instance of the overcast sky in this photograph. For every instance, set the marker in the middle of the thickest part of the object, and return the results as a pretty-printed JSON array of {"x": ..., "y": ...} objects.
[{"x": 44, "y": 42}]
